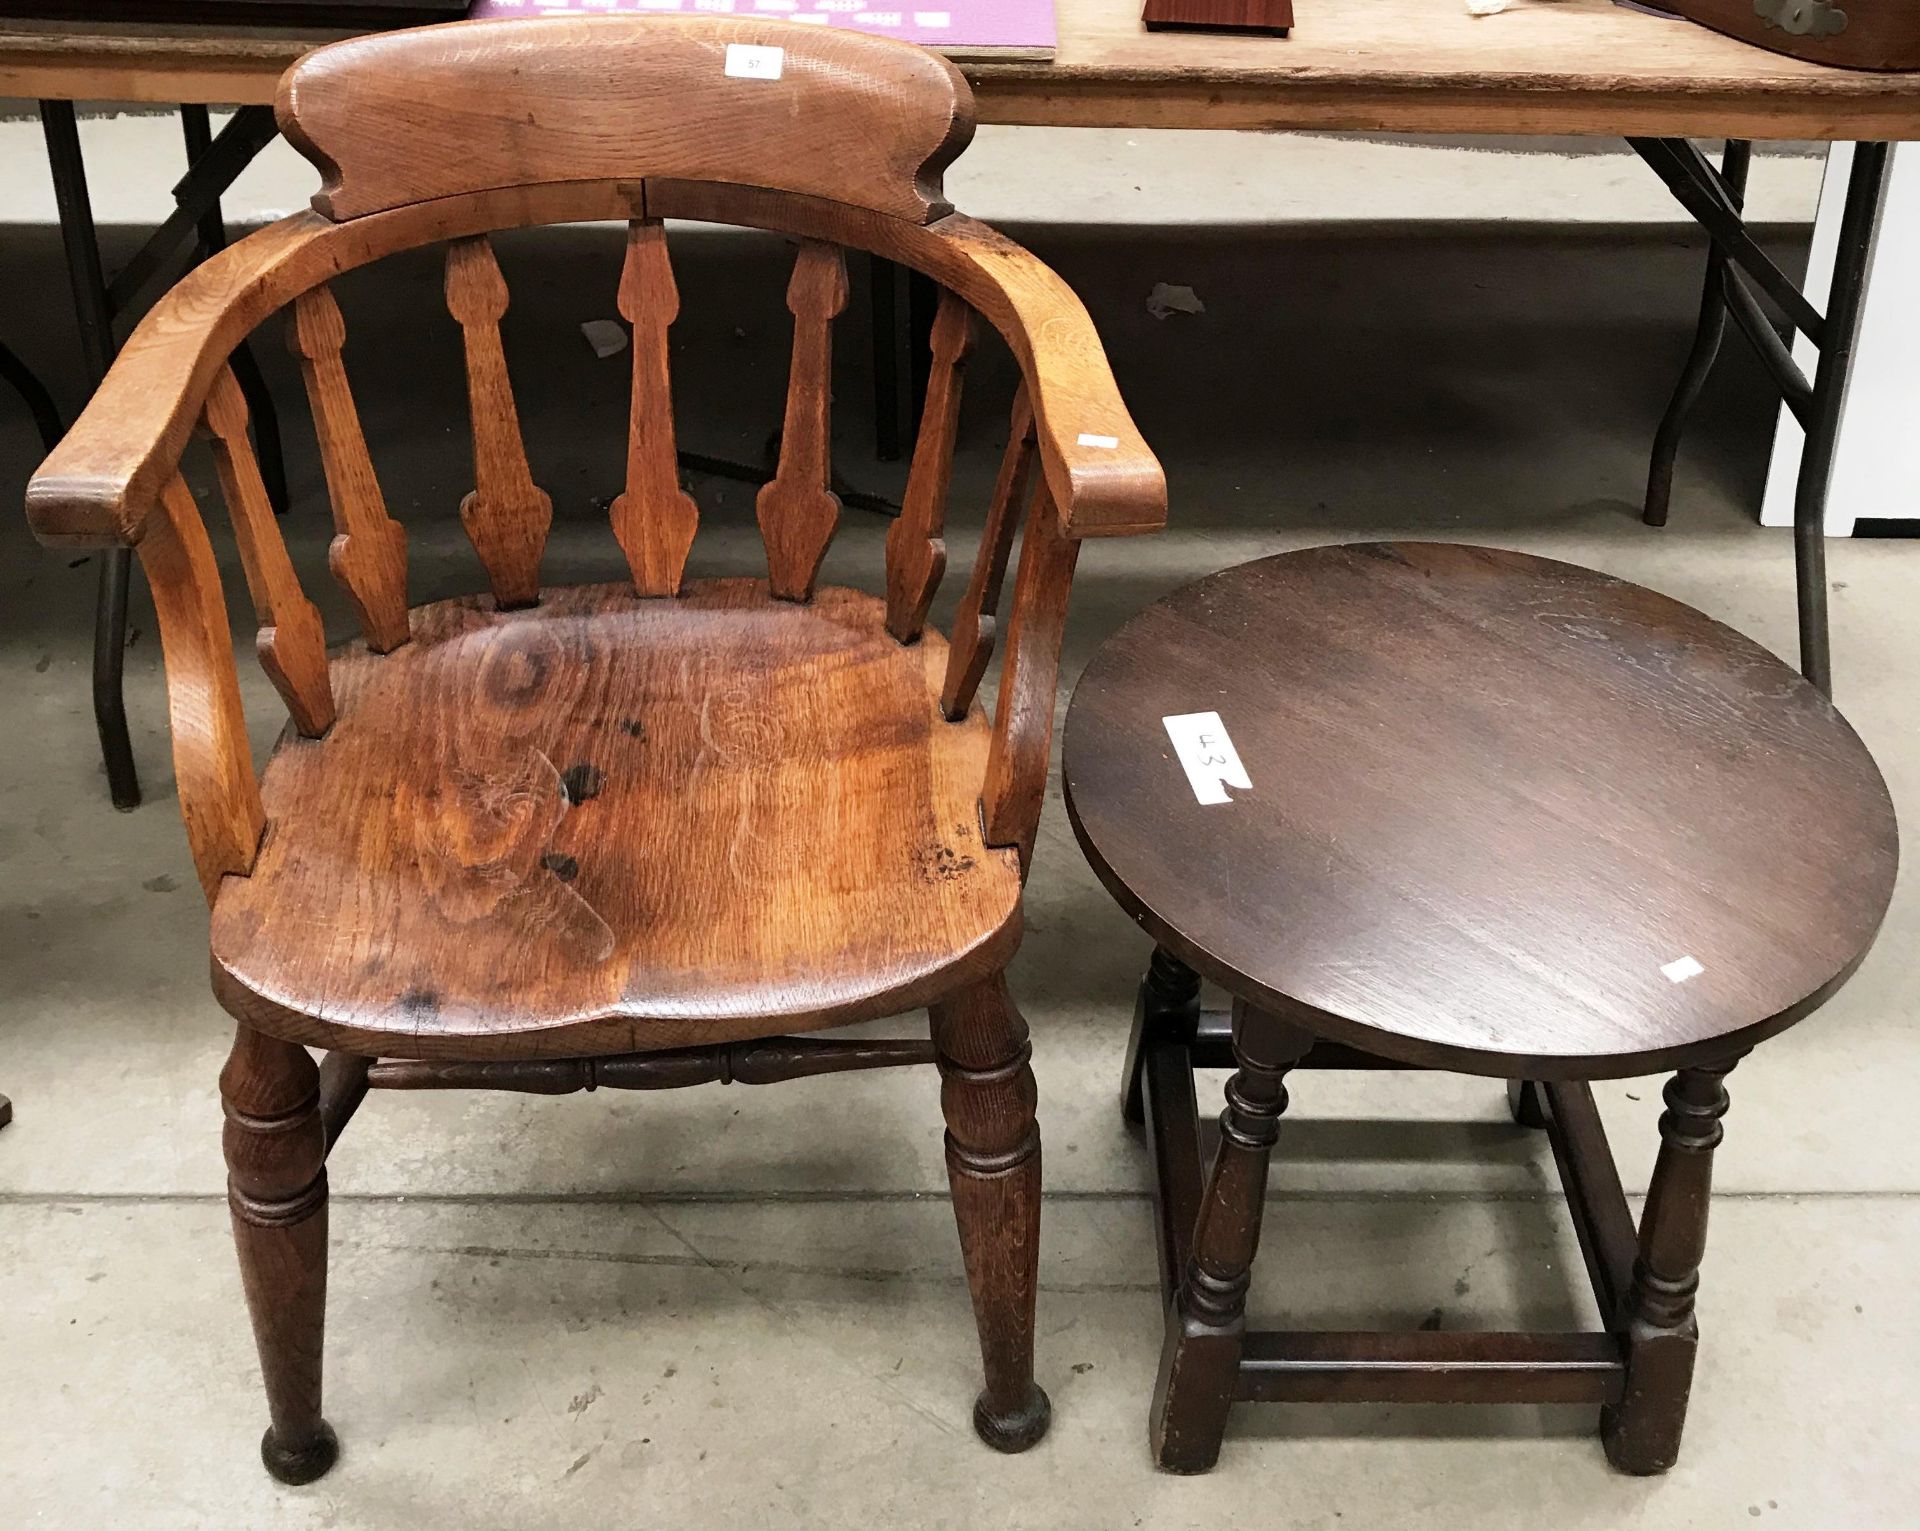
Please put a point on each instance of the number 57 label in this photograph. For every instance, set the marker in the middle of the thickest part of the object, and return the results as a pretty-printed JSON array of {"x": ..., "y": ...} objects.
[{"x": 1207, "y": 754}]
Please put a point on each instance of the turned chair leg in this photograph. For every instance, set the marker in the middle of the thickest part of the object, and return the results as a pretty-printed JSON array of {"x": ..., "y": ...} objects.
[
  {"x": 277, "y": 1191},
  {"x": 1168, "y": 1002},
  {"x": 1207, "y": 1321},
  {"x": 993, "y": 1166},
  {"x": 1642, "y": 1431}
]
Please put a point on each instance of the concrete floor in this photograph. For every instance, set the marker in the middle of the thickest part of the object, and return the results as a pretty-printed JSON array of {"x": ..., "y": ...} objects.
[{"x": 713, "y": 1309}]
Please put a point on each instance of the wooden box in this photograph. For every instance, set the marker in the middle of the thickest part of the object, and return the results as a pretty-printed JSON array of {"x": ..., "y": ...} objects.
[
  {"x": 1218, "y": 16},
  {"x": 1861, "y": 34}
]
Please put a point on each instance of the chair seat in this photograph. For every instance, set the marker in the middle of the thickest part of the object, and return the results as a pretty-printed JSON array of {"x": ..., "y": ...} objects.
[
  {"x": 608, "y": 824},
  {"x": 1507, "y": 816}
]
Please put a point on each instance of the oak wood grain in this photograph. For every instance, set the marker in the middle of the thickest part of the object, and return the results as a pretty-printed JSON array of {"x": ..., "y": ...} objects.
[
  {"x": 411, "y": 116},
  {"x": 1494, "y": 799},
  {"x": 977, "y": 621},
  {"x": 507, "y": 515},
  {"x": 916, "y": 542},
  {"x": 797, "y": 511},
  {"x": 212, "y": 764},
  {"x": 654, "y": 519},
  {"x": 292, "y": 641},
  {"x": 608, "y": 824},
  {"x": 369, "y": 552}
]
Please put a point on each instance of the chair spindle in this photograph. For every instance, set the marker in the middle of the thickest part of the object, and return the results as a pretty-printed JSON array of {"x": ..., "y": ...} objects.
[
  {"x": 1016, "y": 780},
  {"x": 212, "y": 760},
  {"x": 655, "y": 519},
  {"x": 292, "y": 642},
  {"x": 798, "y": 510},
  {"x": 916, "y": 542},
  {"x": 977, "y": 620},
  {"x": 369, "y": 554},
  {"x": 507, "y": 516}
]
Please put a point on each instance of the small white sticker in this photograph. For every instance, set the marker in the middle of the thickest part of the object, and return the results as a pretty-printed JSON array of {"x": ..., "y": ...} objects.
[
  {"x": 749, "y": 61},
  {"x": 933, "y": 21},
  {"x": 1681, "y": 969},
  {"x": 1088, "y": 439},
  {"x": 1212, "y": 763}
]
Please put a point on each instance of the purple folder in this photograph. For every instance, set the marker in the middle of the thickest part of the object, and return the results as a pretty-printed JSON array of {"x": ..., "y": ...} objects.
[{"x": 958, "y": 28}]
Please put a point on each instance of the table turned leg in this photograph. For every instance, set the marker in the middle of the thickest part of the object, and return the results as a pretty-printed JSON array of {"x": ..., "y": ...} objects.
[
  {"x": 1642, "y": 1431},
  {"x": 1207, "y": 1321},
  {"x": 277, "y": 1192},
  {"x": 993, "y": 1167},
  {"x": 1167, "y": 1004}
]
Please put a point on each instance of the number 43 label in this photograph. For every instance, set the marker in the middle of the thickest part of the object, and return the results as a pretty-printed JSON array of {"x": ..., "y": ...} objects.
[{"x": 1206, "y": 752}]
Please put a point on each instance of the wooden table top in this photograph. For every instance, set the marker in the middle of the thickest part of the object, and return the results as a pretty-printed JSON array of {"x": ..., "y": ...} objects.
[
  {"x": 1412, "y": 66},
  {"x": 1496, "y": 813}
]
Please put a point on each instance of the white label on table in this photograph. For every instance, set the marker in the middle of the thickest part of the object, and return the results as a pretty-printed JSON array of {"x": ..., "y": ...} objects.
[
  {"x": 1212, "y": 763},
  {"x": 1088, "y": 439},
  {"x": 1681, "y": 969},
  {"x": 749, "y": 61},
  {"x": 933, "y": 21}
]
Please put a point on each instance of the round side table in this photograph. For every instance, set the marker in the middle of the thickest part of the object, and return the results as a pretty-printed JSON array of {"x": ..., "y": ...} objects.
[{"x": 1432, "y": 806}]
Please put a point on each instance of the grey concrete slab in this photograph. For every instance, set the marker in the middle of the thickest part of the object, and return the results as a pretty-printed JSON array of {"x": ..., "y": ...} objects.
[{"x": 811, "y": 1363}]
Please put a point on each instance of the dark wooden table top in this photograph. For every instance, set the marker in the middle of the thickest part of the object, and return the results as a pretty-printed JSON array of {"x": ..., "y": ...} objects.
[{"x": 1506, "y": 816}]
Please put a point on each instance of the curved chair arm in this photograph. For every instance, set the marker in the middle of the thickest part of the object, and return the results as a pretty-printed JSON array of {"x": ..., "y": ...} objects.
[
  {"x": 100, "y": 484},
  {"x": 1105, "y": 480}
]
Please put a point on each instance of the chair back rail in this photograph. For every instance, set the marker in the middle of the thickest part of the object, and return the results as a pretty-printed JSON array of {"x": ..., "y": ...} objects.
[
  {"x": 916, "y": 542},
  {"x": 212, "y": 761},
  {"x": 798, "y": 510},
  {"x": 654, "y": 519},
  {"x": 292, "y": 642},
  {"x": 974, "y": 624},
  {"x": 507, "y": 516},
  {"x": 116, "y": 477},
  {"x": 369, "y": 552},
  {"x": 405, "y": 117},
  {"x": 1016, "y": 781}
]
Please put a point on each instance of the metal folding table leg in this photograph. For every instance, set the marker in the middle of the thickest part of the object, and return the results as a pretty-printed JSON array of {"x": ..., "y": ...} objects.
[
  {"x": 1866, "y": 189},
  {"x": 92, "y": 310},
  {"x": 33, "y": 393},
  {"x": 1708, "y": 334},
  {"x": 1737, "y": 268}
]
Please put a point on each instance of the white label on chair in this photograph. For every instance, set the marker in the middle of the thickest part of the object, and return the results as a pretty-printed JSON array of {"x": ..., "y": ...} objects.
[
  {"x": 1088, "y": 439},
  {"x": 1681, "y": 969},
  {"x": 1212, "y": 763},
  {"x": 749, "y": 61}
]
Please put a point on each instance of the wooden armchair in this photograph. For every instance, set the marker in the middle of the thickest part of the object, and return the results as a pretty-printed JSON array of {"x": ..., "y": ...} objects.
[{"x": 622, "y": 835}]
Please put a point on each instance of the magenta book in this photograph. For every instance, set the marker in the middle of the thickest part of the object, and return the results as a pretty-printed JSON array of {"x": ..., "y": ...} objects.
[{"x": 960, "y": 28}]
